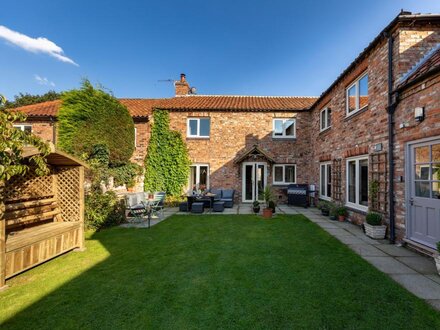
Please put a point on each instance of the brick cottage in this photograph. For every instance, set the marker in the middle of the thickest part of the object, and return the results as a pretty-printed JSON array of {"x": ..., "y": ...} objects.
[{"x": 377, "y": 125}]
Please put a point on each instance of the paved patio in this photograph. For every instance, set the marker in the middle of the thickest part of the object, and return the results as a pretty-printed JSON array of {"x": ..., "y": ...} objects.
[{"x": 416, "y": 273}]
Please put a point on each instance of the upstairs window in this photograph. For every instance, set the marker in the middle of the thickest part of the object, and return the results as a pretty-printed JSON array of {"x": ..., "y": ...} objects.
[
  {"x": 325, "y": 119},
  {"x": 284, "y": 128},
  {"x": 357, "y": 95},
  {"x": 24, "y": 128},
  {"x": 199, "y": 127},
  {"x": 284, "y": 174}
]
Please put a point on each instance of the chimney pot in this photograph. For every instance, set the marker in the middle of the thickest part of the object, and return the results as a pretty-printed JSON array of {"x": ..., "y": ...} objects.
[
  {"x": 181, "y": 86},
  {"x": 182, "y": 77}
]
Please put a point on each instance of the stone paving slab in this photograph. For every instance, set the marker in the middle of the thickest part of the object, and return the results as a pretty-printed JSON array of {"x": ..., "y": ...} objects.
[
  {"x": 349, "y": 239},
  {"x": 420, "y": 264},
  {"x": 366, "y": 250},
  {"x": 396, "y": 251},
  {"x": 419, "y": 285},
  {"x": 339, "y": 232},
  {"x": 327, "y": 225},
  {"x": 389, "y": 265}
]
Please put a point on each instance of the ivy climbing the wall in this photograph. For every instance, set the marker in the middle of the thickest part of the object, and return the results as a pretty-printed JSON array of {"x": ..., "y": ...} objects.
[
  {"x": 91, "y": 116},
  {"x": 167, "y": 162}
]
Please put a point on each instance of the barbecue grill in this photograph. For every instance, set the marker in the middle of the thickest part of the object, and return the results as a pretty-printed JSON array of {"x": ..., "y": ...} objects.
[{"x": 298, "y": 194}]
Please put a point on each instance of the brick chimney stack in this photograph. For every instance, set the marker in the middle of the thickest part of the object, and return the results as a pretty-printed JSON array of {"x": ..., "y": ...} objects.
[{"x": 182, "y": 86}]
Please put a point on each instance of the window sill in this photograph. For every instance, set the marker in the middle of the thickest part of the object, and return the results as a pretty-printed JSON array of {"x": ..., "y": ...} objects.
[
  {"x": 197, "y": 137},
  {"x": 282, "y": 184},
  {"x": 355, "y": 113},
  {"x": 325, "y": 131},
  {"x": 325, "y": 198},
  {"x": 284, "y": 138},
  {"x": 357, "y": 209}
]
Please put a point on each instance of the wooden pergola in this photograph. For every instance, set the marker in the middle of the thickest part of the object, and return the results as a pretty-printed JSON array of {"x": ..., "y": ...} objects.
[{"x": 41, "y": 217}]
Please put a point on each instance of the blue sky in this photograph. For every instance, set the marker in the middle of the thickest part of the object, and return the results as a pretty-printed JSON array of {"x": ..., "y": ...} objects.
[{"x": 243, "y": 47}]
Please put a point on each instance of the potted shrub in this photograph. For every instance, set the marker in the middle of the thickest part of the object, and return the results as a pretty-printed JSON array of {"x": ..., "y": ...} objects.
[
  {"x": 268, "y": 198},
  {"x": 324, "y": 207},
  {"x": 333, "y": 211},
  {"x": 373, "y": 226},
  {"x": 272, "y": 206},
  {"x": 256, "y": 206},
  {"x": 341, "y": 211},
  {"x": 437, "y": 258}
]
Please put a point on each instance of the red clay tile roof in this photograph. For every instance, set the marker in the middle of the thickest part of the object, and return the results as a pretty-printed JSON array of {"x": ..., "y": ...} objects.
[
  {"x": 237, "y": 103},
  {"x": 139, "y": 108}
]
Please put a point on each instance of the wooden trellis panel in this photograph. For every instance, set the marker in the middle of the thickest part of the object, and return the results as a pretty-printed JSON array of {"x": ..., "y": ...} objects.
[
  {"x": 30, "y": 186},
  {"x": 69, "y": 183},
  {"x": 378, "y": 168},
  {"x": 337, "y": 180}
]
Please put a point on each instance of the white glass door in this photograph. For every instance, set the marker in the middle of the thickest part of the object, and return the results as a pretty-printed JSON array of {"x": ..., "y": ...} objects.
[{"x": 254, "y": 181}]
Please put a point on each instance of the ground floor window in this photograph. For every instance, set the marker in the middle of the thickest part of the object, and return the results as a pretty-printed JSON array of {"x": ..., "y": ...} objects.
[
  {"x": 325, "y": 181},
  {"x": 284, "y": 174},
  {"x": 357, "y": 183},
  {"x": 199, "y": 177}
]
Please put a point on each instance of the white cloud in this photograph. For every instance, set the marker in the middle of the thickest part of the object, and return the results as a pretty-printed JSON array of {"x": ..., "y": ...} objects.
[
  {"x": 34, "y": 45},
  {"x": 43, "y": 81}
]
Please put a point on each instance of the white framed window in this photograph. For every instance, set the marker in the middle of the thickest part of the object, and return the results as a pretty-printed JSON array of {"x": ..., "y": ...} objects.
[
  {"x": 135, "y": 137},
  {"x": 357, "y": 183},
  {"x": 357, "y": 95},
  {"x": 25, "y": 128},
  {"x": 198, "y": 127},
  {"x": 284, "y": 174},
  {"x": 284, "y": 128},
  {"x": 325, "y": 181},
  {"x": 198, "y": 177},
  {"x": 325, "y": 119}
]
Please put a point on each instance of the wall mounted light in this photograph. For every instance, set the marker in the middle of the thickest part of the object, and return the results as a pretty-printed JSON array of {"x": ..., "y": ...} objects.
[{"x": 419, "y": 114}]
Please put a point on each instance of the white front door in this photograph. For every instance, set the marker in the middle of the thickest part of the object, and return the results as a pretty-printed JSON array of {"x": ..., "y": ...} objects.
[
  {"x": 423, "y": 192},
  {"x": 254, "y": 181}
]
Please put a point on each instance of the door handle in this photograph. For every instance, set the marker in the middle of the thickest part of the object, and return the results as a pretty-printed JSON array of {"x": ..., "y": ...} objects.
[{"x": 411, "y": 201}]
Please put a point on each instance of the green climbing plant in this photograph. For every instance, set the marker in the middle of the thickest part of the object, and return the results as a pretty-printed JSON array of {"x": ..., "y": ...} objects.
[
  {"x": 12, "y": 142},
  {"x": 91, "y": 116},
  {"x": 167, "y": 162}
]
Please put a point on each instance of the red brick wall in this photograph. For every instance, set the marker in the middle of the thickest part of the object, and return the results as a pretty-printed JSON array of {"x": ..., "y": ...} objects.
[
  {"x": 361, "y": 132},
  {"x": 42, "y": 129},
  {"x": 426, "y": 94},
  {"x": 142, "y": 139},
  {"x": 233, "y": 133}
]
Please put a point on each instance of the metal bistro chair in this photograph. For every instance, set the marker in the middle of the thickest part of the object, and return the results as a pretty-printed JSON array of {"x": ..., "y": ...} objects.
[
  {"x": 157, "y": 205},
  {"x": 137, "y": 206}
]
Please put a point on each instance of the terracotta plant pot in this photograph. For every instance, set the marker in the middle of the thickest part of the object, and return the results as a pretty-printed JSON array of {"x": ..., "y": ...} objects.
[
  {"x": 341, "y": 218},
  {"x": 267, "y": 213}
]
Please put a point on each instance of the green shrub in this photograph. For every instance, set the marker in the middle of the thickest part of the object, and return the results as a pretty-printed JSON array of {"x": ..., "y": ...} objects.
[
  {"x": 174, "y": 201},
  {"x": 256, "y": 203},
  {"x": 167, "y": 162},
  {"x": 89, "y": 117},
  {"x": 271, "y": 205},
  {"x": 342, "y": 211},
  {"x": 333, "y": 208},
  {"x": 103, "y": 210},
  {"x": 323, "y": 205},
  {"x": 126, "y": 174},
  {"x": 374, "y": 219}
]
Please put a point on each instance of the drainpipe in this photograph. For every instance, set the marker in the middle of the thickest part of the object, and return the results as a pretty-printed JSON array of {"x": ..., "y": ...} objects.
[
  {"x": 390, "y": 109},
  {"x": 54, "y": 131}
]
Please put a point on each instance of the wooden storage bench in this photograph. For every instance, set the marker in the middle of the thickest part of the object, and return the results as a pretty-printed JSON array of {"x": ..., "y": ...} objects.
[{"x": 41, "y": 217}]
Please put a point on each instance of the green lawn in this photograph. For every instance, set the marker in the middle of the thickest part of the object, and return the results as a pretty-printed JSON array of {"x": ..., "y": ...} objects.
[{"x": 212, "y": 272}]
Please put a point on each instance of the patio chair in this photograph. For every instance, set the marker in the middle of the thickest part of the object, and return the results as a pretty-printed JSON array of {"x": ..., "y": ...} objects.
[
  {"x": 136, "y": 206},
  {"x": 158, "y": 204}
]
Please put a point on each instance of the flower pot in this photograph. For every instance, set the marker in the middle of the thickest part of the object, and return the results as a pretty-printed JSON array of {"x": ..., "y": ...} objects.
[
  {"x": 325, "y": 212},
  {"x": 333, "y": 217},
  {"x": 267, "y": 213},
  {"x": 437, "y": 263},
  {"x": 256, "y": 209},
  {"x": 375, "y": 232},
  {"x": 341, "y": 218}
]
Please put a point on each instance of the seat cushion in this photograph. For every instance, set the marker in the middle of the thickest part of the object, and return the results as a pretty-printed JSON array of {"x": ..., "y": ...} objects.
[
  {"x": 217, "y": 192},
  {"x": 227, "y": 194}
]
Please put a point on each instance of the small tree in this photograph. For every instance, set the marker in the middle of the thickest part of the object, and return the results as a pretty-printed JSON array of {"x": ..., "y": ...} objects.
[
  {"x": 89, "y": 117},
  {"x": 167, "y": 162},
  {"x": 12, "y": 142}
]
